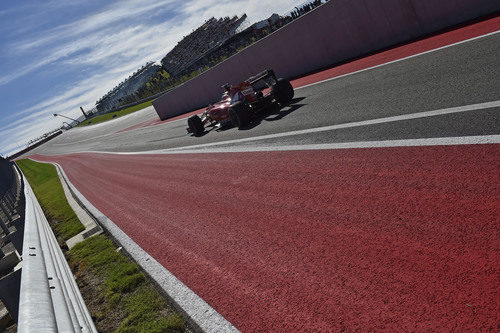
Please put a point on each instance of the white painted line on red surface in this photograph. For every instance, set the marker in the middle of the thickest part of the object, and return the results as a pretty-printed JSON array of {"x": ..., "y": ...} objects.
[
  {"x": 446, "y": 141},
  {"x": 418, "y": 115},
  {"x": 398, "y": 60},
  {"x": 202, "y": 314}
]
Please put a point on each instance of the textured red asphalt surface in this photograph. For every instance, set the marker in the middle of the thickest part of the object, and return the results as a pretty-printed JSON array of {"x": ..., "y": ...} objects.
[
  {"x": 430, "y": 43},
  {"x": 360, "y": 239}
]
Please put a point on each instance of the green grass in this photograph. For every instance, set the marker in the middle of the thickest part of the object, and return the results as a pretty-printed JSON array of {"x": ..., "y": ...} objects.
[
  {"x": 125, "y": 287},
  {"x": 49, "y": 192},
  {"x": 109, "y": 116}
]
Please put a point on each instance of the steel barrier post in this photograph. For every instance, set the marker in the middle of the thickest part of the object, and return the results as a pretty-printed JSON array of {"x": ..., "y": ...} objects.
[
  {"x": 6, "y": 207},
  {"x": 10, "y": 199},
  {"x": 7, "y": 218},
  {"x": 5, "y": 211},
  {"x": 12, "y": 194},
  {"x": 4, "y": 227}
]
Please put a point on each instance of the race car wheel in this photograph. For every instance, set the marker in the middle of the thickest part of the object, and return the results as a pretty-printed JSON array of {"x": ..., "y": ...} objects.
[
  {"x": 196, "y": 125},
  {"x": 239, "y": 114},
  {"x": 283, "y": 91}
]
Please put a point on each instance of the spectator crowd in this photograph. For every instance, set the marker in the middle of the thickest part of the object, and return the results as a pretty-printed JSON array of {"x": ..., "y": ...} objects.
[
  {"x": 306, "y": 8},
  {"x": 208, "y": 36}
]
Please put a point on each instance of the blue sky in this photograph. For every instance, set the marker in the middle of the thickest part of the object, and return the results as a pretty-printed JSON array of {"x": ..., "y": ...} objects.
[{"x": 58, "y": 55}]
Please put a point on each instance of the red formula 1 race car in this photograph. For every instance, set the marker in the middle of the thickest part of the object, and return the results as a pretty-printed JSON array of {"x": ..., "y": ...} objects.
[{"x": 241, "y": 103}]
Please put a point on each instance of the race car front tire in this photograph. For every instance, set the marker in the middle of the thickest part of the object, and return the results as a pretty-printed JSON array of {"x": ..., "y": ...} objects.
[
  {"x": 283, "y": 91},
  {"x": 239, "y": 114},
  {"x": 196, "y": 125}
]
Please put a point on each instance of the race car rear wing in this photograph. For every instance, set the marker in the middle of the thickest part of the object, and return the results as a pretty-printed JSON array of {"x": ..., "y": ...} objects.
[{"x": 268, "y": 76}]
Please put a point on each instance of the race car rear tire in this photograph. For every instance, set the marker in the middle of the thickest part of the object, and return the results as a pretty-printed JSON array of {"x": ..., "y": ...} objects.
[
  {"x": 283, "y": 91},
  {"x": 240, "y": 115},
  {"x": 196, "y": 125}
]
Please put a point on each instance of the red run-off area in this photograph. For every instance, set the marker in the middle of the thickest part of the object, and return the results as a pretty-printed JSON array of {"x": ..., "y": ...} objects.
[
  {"x": 426, "y": 44},
  {"x": 401, "y": 239}
]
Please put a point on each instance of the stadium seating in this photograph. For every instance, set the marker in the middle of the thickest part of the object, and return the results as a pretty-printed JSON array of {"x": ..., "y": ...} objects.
[{"x": 205, "y": 38}]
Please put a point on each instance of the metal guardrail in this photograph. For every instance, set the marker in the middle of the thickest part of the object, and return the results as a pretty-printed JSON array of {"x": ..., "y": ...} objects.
[
  {"x": 49, "y": 300},
  {"x": 11, "y": 237}
]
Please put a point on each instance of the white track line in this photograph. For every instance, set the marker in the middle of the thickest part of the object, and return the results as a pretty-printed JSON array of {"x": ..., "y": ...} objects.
[
  {"x": 80, "y": 141},
  {"x": 458, "y": 109},
  {"x": 446, "y": 141},
  {"x": 398, "y": 60},
  {"x": 202, "y": 314}
]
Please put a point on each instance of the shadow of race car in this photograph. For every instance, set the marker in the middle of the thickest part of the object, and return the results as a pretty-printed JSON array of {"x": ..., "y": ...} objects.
[{"x": 241, "y": 103}]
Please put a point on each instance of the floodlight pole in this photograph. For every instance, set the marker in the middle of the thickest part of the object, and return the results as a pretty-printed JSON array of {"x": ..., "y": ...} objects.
[
  {"x": 60, "y": 115},
  {"x": 84, "y": 114}
]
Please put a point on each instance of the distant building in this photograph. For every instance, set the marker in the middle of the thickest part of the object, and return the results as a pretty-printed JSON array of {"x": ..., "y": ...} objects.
[{"x": 129, "y": 87}]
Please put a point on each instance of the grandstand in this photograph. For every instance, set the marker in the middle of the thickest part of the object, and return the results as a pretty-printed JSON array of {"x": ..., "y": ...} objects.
[
  {"x": 213, "y": 33},
  {"x": 207, "y": 45},
  {"x": 127, "y": 87}
]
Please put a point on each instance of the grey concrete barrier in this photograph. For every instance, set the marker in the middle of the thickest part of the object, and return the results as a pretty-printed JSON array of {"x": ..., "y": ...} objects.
[
  {"x": 6, "y": 176},
  {"x": 334, "y": 32}
]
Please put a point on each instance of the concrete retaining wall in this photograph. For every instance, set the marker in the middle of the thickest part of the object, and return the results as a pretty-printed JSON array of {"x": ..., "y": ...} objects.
[
  {"x": 6, "y": 176},
  {"x": 337, "y": 31}
]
